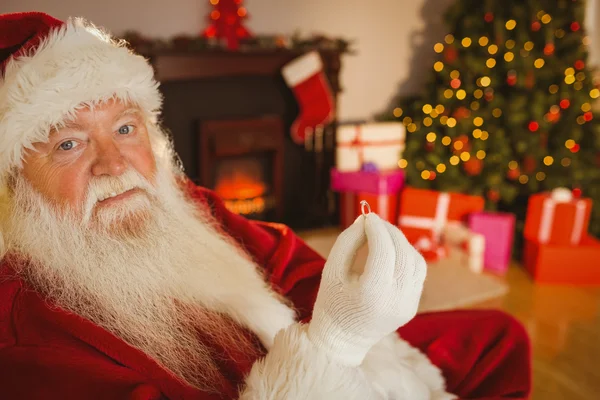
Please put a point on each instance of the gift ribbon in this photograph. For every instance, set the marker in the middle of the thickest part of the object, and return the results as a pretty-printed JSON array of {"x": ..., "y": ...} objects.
[
  {"x": 547, "y": 220},
  {"x": 383, "y": 206},
  {"x": 436, "y": 224}
]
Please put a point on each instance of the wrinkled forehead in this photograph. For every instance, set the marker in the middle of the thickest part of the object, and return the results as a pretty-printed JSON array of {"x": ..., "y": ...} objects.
[{"x": 104, "y": 111}]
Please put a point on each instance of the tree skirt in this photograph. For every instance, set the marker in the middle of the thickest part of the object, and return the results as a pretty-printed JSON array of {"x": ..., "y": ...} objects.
[{"x": 449, "y": 284}]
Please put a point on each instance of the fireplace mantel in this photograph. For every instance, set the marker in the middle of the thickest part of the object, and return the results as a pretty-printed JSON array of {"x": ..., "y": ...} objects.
[{"x": 172, "y": 66}]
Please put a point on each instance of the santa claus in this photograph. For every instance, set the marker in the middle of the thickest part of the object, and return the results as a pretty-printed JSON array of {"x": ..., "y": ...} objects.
[{"x": 120, "y": 279}]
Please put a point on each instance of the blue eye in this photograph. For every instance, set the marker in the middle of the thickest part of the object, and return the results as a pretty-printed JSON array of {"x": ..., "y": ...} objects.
[
  {"x": 126, "y": 129},
  {"x": 68, "y": 145}
]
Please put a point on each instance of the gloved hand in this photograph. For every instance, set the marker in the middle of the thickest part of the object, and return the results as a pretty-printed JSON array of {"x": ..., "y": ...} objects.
[{"x": 351, "y": 314}]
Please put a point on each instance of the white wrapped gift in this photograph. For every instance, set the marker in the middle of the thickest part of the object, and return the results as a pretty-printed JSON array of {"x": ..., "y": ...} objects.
[
  {"x": 473, "y": 244},
  {"x": 380, "y": 143}
]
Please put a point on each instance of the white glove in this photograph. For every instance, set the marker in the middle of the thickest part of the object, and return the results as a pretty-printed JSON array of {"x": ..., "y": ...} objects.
[{"x": 351, "y": 314}]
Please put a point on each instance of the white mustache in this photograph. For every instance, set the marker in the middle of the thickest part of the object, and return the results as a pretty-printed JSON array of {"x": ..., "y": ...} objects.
[{"x": 102, "y": 188}]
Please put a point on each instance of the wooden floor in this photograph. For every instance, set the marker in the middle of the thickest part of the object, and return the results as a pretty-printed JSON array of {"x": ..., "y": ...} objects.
[{"x": 564, "y": 325}]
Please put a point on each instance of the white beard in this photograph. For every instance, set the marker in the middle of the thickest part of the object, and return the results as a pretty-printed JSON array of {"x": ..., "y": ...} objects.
[{"x": 152, "y": 270}]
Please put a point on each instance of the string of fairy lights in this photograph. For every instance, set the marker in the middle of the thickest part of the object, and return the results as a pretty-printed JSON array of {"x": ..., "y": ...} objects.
[{"x": 461, "y": 149}]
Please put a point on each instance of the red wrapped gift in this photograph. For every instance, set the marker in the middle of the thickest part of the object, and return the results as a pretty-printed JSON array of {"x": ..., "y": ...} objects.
[
  {"x": 557, "y": 218},
  {"x": 430, "y": 250},
  {"x": 563, "y": 264},
  {"x": 384, "y": 205},
  {"x": 424, "y": 213}
]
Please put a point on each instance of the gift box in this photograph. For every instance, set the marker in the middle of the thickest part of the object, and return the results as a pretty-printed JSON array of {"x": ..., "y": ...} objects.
[
  {"x": 472, "y": 244},
  {"x": 563, "y": 264},
  {"x": 425, "y": 213},
  {"x": 379, "y": 182},
  {"x": 430, "y": 249},
  {"x": 557, "y": 218},
  {"x": 384, "y": 205},
  {"x": 379, "y": 188},
  {"x": 498, "y": 230},
  {"x": 380, "y": 143}
]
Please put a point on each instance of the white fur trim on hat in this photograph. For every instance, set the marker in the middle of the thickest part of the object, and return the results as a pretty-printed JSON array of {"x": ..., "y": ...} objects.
[
  {"x": 75, "y": 65},
  {"x": 302, "y": 68}
]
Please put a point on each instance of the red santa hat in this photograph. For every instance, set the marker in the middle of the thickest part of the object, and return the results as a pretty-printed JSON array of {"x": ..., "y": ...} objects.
[{"x": 50, "y": 68}]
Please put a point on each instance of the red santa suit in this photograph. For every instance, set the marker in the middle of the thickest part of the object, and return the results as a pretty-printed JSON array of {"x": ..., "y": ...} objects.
[{"x": 48, "y": 353}]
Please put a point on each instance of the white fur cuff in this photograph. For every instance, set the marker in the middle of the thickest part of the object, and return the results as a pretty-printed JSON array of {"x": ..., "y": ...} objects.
[
  {"x": 400, "y": 371},
  {"x": 294, "y": 369}
]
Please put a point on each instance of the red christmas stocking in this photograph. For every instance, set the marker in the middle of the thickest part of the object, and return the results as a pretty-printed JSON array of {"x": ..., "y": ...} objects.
[{"x": 308, "y": 82}]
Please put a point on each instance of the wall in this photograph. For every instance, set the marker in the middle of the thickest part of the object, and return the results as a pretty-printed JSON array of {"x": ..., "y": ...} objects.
[{"x": 394, "y": 38}]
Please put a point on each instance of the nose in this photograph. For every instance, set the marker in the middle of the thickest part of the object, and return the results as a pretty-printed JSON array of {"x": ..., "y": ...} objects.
[{"x": 109, "y": 160}]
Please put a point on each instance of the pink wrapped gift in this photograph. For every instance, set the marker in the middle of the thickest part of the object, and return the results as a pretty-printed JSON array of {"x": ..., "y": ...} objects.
[
  {"x": 381, "y": 189},
  {"x": 377, "y": 182},
  {"x": 498, "y": 229}
]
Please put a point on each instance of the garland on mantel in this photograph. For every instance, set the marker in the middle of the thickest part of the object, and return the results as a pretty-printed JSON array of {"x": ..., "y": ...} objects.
[{"x": 191, "y": 43}]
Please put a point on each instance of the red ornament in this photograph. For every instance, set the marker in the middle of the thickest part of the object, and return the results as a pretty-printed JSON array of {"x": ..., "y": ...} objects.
[
  {"x": 552, "y": 116},
  {"x": 577, "y": 193},
  {"x": 511, "y": 80},
  {"x": 455, "y": 83},
  {"x": 575, "y": 148},
  {"x": 533, "y": 126},
  {"x": 579, "y": 64},
  {"x": 461, "y": 112},
  {"x": 450, "y": 54},
  {"x": 493, "y": 195},
  {"x": 575, "y": 26},
  {"x": 536, "y": 26},
  {"x": 432, "y": 175},
  {"x": 226, "y": 22},
  {"x": 549, "y": 49},
  {"x": 473, "y": 166},
  {"x": 588, "y": 116},
  {"x": 465, "y": 145},
  {"x": 564, "y": 104},
  {"x": 513, "y": 173},
  {"x": 429, "y": 146},
  {"x": 488, "y": 17}
]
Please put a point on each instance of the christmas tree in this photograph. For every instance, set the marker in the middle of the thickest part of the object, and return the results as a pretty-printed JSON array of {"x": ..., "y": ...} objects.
[
  {"x": 508, "y": 110},
  {"x": 226, "y": 22}
]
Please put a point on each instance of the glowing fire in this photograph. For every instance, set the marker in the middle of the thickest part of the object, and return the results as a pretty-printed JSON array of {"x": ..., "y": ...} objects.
[{"x": 240, "y": 185}]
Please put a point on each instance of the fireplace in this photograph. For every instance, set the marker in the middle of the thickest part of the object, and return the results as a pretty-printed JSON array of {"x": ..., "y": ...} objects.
[
  {"x": 230, "y": 114},
  {"x": 242, "y": 160},
  {"x": 242, "y": 184}
]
